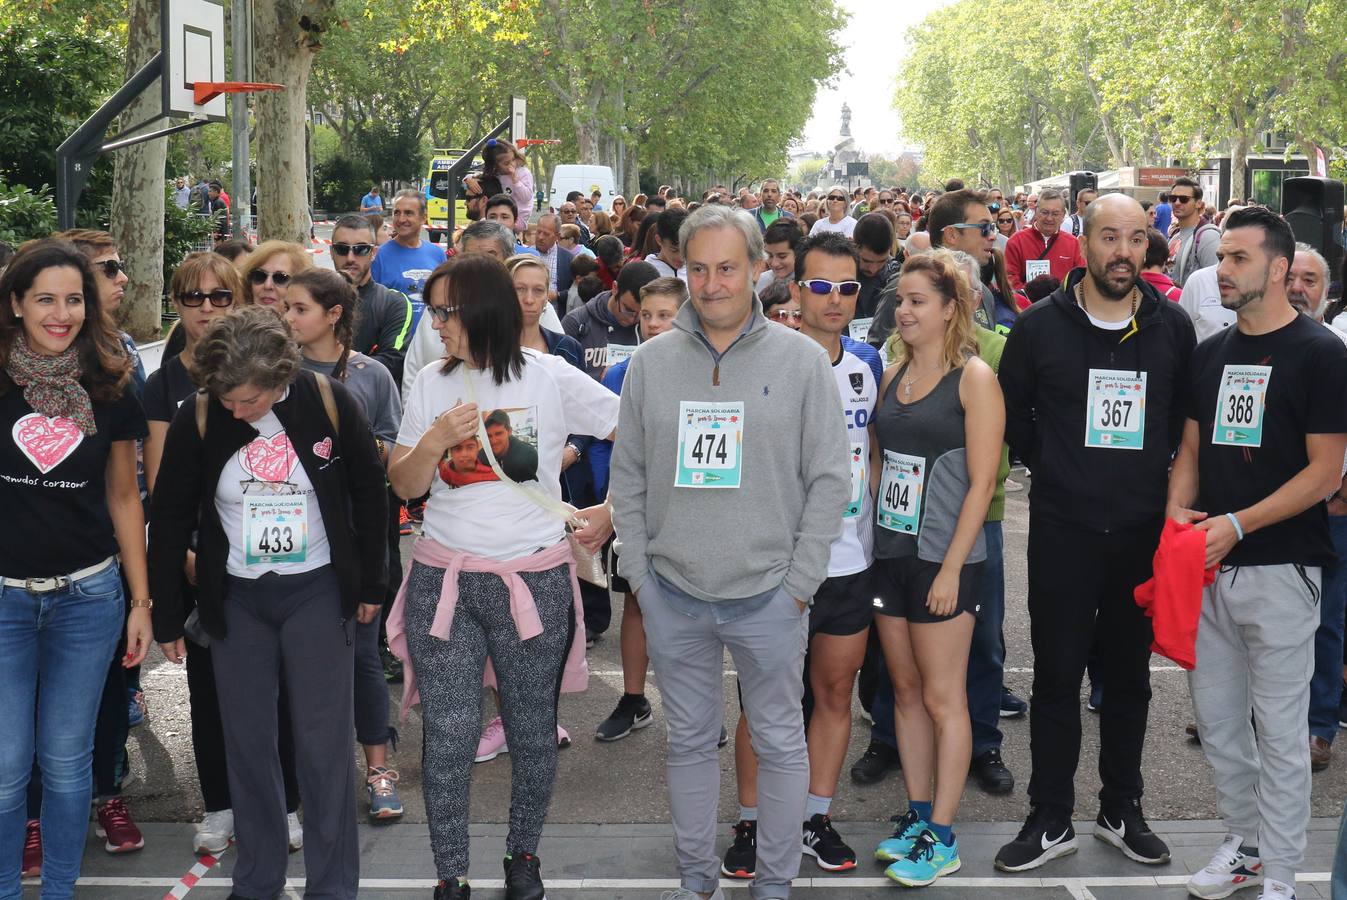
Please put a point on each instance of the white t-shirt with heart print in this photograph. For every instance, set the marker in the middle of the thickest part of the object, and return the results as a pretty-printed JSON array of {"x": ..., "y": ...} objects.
[{"x": 267, "y": 465}]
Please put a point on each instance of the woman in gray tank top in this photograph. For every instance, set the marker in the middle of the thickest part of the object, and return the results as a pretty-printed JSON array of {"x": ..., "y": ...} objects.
[{"x": 935, "y": 452}]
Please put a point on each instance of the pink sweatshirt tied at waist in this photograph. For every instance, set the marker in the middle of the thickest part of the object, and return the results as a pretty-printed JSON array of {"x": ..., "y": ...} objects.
[{"x": 575, "y": 676}]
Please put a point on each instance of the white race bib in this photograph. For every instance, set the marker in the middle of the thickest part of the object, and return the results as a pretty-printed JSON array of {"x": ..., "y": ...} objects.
[
  {"x": 900, "y": 492},
  {"x": 1239, "y": 406},
  {"x": 275, "y": 528},
  {"x": 710, "y": 445},
  {"x": 1036, "y": 267},
  {"x": 1115, "y": 409},
  {"x": 859, "y": 329}
]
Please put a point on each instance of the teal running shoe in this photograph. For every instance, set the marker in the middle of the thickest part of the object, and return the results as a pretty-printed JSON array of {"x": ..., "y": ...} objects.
[
  {"x": 928, "y": 860},
  {"x": 892, "y": 849}
]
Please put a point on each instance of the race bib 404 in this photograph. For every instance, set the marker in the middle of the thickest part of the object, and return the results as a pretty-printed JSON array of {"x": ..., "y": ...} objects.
[
  {"x": 900, "y": 492},
  {"x": 1239, "y": 406},
  {"x": 710, "y": 445}
]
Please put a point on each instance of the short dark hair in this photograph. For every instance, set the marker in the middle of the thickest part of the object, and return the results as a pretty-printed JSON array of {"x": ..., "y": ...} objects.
[
  {"x": 356, "y": 223},
  {"x": 502, "y": 200},
  {"x": 583, "y": 265},
  {"x": 670, "y": 221},
  {"x": 609, "y": 251},
  {"x": 633, "y": 277},
  {"x": 588, "y": 288},
  {"x": 954, "y": 184},
  {"x": 829, "y": 243},
  {"x": 216, "y": 185},
  {"x": 482, "y": 292},
  {"x": 573, "y": 196},
  {"x": 874, "y": 232},
  {"x": 498, "y": 417},
  {"x": 1185, "y": 181},
  {"x": 1278, "y": 239},
  {"x": 656, "y": 203},
  {"x": 784, "y": 231},
  {"x": 1041, "y": 286},
  {"x": 775, "y": 294},
  {"x": 947, "y": 211},
  {"x": 1157, "y": 249}
]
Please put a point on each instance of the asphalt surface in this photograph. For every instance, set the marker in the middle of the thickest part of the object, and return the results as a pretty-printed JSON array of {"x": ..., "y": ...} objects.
[{"x": 623, "y": 782}]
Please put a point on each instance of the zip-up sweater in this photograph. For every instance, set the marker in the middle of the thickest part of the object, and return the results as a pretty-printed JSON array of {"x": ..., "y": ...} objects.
[
  {"x": 595, "y": 327},
  {"x": 776, "y": 529},
  {"x": 1043, "y": 375}
]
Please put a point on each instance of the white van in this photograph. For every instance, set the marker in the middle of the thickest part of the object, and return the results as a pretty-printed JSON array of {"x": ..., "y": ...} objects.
[{"x": 585, "y": 179}]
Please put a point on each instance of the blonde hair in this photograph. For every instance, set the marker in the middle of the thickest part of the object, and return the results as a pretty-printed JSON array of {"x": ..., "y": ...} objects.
[
  {"x": 299, "y": 261},
  {"x": 951, "y": 281},
  {"x": 527, "y": 260}
]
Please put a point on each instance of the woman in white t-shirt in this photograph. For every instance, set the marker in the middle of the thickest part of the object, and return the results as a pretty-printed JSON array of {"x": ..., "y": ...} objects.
[
  {"x": 492, "y": 574},
  {"x": 835, "y": 208}
]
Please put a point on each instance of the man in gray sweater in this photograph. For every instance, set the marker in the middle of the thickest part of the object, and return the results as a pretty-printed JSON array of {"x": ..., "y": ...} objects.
[{"x": 728, "y": 485}]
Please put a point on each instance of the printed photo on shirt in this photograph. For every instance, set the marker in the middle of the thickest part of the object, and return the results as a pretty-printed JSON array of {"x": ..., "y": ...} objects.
[{"x": 513, "y": 434}]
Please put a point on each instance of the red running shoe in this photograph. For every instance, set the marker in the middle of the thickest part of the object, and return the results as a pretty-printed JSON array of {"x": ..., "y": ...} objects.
[
  {"x": 115, "y": 826},
  {"x": 404, "y": 522},
  {"x": 32, "y": 850}
]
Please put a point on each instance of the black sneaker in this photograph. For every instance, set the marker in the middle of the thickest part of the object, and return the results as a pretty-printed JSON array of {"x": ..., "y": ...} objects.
[
  {"x": 1012, "y": 707},
  {"x": 1125, "y": 827},
  {"x": 523, "y": 877},
  {"x": 457, "y": 889},
  {"x": 392, "y": 665},
  {"x": 875, "y": 763},
  {"x": 820, "y": 840},
  {"x": 741, "y": 860},
  {"x": 632, "y": 714},
  {"x": 723, "y": 739},
  {"x": 1046, "y": 835},
  {"x": 991, "y": 773},
  {"x": 1342, "y": 708}
]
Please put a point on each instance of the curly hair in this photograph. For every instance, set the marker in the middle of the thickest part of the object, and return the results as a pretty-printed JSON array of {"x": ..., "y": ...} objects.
[{"x": 252, "y": 346}]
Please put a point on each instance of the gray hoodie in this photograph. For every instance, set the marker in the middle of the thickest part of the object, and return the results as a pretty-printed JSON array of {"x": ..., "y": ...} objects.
[{"x": 776, "y": 529}]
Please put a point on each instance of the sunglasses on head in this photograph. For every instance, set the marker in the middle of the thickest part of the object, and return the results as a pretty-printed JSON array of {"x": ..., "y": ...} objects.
[
  {"x": 349, "y": 249},
  {"x": 218, "y": 298},
  {"x": 986, "y": 229},
  {"x": 823, "y": 287},
  {"x": 260, "y": 276},
  {"x": 111, "y": 267}
]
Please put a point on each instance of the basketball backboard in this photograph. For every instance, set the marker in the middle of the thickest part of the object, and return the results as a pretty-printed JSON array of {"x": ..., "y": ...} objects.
[
  {"x": 518, "y": 121},
  {"x": 193, "y": 34}
]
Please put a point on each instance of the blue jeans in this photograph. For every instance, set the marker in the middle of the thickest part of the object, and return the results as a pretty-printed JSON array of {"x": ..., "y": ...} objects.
[
  {"x": 986, "y": 659},
  {"x": 1326, "y": 683},
  {"x": 60, "y": 642},
  {"x": 1340, "y": 861}
]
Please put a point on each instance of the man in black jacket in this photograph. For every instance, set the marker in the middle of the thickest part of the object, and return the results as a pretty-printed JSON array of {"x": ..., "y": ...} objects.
[
  {"x": 383, "y": 319},
  {"x": 1093, "y": 377}
]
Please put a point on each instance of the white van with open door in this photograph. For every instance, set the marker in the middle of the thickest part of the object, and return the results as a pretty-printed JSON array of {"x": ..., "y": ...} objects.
[{"x": 585, "y": 179}]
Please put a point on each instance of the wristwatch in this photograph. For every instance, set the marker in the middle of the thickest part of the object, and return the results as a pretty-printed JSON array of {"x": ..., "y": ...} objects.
[{"x": 574, "y": 449}]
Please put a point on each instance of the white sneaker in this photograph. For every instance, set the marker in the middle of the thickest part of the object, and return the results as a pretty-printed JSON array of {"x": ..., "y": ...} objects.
[
  {"x": 1277, "y": 890},
  {"x": 1230, "y": 871},
  {"x": 296, "y": 831},
  {"x": 215, "y": 832}
]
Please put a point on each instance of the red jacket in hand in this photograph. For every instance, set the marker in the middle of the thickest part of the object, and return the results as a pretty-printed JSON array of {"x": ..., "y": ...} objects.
[{"x": 1173, "y": 595}]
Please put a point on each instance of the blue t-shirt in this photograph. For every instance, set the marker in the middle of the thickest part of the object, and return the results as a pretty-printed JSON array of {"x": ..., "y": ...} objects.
[
  {"x": 406, "y": 269},
  {"x": 601, "y": 452},
  {"x": 369, "y": 201}
]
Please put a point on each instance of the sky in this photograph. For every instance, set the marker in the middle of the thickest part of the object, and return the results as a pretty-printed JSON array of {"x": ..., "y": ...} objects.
[{"x": 871, "y": 44}]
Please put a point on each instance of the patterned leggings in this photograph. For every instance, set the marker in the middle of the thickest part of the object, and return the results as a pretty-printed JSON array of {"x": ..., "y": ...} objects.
[{"x": 449, "y": 674}]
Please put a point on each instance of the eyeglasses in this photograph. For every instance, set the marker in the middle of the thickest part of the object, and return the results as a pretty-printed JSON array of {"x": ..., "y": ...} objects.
[
  {"x": 349, "y": 249},
  {"x": 111, "y": 267},
  {"x": 441, "y": 314},
  {"x": 219, "y": 298},
  {"x": 986, "y": 229},
  {"x": 784, "y": 314},
  {"x": 259, "y": 277},
  {"x": 1180, "y": 198},
  {"x": 823, "y": 287},
  {"x": 837, "y": 197}
]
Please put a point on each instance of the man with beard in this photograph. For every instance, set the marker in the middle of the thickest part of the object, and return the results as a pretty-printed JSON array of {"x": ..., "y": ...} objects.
[
  {"x": 384, "y": 317},
  {"x": 1263, "y": 440},
  {"x": 1097, "y": 426}
]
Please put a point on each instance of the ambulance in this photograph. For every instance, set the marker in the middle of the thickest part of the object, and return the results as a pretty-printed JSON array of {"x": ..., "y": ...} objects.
[{"x": 439, "y": 193}]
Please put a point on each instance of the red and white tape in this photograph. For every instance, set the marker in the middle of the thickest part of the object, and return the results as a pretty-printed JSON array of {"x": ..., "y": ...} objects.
[{"x": 203, "y": 865}]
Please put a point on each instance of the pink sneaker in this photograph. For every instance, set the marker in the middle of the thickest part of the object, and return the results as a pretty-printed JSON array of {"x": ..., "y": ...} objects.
[
  {"x": 32, "y": 850},
  {"x": 492, "y": 743},
  {"x": 116, "y": 828},
  {"x": 563, "y": 738}
]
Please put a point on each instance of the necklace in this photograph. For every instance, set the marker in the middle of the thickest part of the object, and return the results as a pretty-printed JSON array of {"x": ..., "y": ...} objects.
[
  {"x": 908, "y": 383},
  {"x": 1080, "y": 298}
]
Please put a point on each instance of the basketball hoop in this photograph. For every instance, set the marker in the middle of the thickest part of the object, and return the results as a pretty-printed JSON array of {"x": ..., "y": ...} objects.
[
  {"x": 205, "y": 91},
  {"x": 529, "y": 142}
]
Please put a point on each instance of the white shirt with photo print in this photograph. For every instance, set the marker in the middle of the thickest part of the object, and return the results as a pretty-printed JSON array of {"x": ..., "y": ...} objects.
[{"x": 548, "y": 401}]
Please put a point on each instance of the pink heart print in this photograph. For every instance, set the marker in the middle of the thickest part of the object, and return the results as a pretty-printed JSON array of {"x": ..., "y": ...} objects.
[
  {"x": 47, "y": 442},
  {"x": 270, "y": 459},
  {"x": 323, "y": 449}
]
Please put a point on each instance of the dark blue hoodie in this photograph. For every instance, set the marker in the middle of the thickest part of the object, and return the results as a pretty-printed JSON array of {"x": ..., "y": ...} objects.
[{"x": 595, "y": 327}]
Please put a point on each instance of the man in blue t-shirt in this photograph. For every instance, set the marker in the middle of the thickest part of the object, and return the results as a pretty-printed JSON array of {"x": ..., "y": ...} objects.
[
  {"x": 404, "y": 263},
  {"x": 372, "y": 202}
]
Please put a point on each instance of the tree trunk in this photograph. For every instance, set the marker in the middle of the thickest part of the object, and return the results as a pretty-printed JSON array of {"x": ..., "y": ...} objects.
[
  {"x": 285, "y": 37},
  {"x": 632, "y": 169},
  {"x": 138, "y": 190},
  {"x": 1239, "y": 165}
]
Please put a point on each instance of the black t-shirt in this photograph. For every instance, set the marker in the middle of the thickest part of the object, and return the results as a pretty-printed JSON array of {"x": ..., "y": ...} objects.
[
  {"x": 53, "y": 486},
  {"x": 166, "y": 389},
  {"x": 1306, "y": 393}
]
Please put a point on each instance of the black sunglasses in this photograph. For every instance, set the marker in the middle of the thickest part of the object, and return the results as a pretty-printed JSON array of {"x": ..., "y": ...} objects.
[
  {"x": 219, "y": 298},
  {"x": 836, "y": 197},
  {"x": 111, "y": 267},
  {"x": 1180, "y": 198},
  {"x": 260, "y": 276},
  {"x": 986, "y": 229},
  {"x": 349, "y": 249}
]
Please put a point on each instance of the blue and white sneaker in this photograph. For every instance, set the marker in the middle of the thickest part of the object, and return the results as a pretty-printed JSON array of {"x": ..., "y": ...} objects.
[
  {"x": 894, "y": 848},
  {"x": 928, "y": 860},
  {"x": 1230, "y": 870},
  {"x": 382, "y": 786}
]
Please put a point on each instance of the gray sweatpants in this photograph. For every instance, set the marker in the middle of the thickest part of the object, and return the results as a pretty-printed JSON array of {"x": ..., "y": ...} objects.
[
  {"x": 688, "y": 653},
  {"x": 295, "y": 622},
  {"x": 1255, "y": 652}
]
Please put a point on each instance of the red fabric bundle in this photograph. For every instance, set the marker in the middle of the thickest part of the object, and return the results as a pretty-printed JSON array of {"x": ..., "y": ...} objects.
[{"x": 1173, "y": 596}]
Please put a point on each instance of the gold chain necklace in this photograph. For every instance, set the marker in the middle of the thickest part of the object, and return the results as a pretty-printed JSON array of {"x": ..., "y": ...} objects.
[{"x": 1080, "y": 298}]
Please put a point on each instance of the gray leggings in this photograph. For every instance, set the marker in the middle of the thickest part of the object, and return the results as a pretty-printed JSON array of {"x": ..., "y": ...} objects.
[{"x": 449, "y": 674}]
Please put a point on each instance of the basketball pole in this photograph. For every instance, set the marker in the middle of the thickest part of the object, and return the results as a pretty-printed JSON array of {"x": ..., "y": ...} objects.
[{"x": 241, "y": 14}]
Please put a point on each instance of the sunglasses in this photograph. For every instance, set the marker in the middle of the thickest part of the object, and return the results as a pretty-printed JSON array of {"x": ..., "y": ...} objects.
[
  {"x": 111, "y": 267},
  {"x": 837, "y": 197},
  {"x": 1006, "y": 221},
  {"x": 986, "y": 229},
  {"x": 219, "y": 298},
  {"x": 823, "y": 287},
  {"x": 260, "y": 276},
  {"x": 1179, "y": 198},
  {"x": 884, "y": 202},
  {"x": 441, "y": 314},
  {"x": 784, "y": 314},
  {"x": 349, "y": 249}
]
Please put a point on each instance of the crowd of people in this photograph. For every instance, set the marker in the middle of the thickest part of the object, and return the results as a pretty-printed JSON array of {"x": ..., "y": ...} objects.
[{"x": 773, "y": 423}]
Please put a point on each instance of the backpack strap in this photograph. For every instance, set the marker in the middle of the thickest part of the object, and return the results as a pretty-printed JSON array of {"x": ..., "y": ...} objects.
[
  {"x": 329, "y": 401},
  {"x": 202, "y": 406}
]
